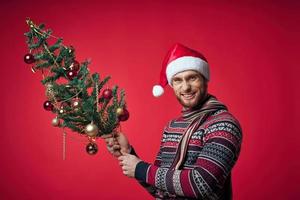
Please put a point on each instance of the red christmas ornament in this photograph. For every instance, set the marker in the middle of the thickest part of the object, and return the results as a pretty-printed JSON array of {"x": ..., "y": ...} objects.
[
  {"x": 124, "y": 116},
  {"x": 71, "y": 74},
  {"x": 75, "y": 65},
  {"x": 48, "y": 106},
  {"x": 71, "y": 49},
  {"x": 29, "y": 58},
  {"x": 91, "y": 148},
  {"x": 107, "y": 94}
]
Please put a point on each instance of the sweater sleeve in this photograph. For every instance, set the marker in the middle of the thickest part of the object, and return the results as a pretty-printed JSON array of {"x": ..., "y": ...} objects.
[
  {"x": 222, "y": 142},
  {"x": 152, "y": 189}
]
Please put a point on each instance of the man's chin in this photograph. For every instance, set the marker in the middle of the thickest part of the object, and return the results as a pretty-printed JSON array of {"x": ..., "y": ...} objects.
[{"x": 189, "y": 104}]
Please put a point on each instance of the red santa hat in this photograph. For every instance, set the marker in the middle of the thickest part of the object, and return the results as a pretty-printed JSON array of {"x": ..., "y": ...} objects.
[{"x": 179, "y": 59}]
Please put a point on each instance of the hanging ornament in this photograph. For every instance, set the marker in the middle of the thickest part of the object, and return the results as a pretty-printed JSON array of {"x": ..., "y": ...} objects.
[
  {"x": 119, "y": 111},
  {"x": 49, "y": 91},
  {"x": 55, "y": 122},
  {"x": 71, "y": 49},
  {"x": 76, "y": 102},
  {"x": 29, "y": 58},
  {"x": 107, "y": 94},
  {"x": 75, "y": 65},
  {"x": 71, "y": 74},
  {"x": 91, "y": 130},
  {"x": 124, "y": 115},
  {"x": 63, "y": 107},
  {"x": 48, "y": 106},
  {"x": 91, "y": 148}
]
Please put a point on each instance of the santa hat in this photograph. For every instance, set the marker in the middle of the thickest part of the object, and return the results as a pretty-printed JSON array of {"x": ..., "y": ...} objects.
[{"x": 179, "y": 59}]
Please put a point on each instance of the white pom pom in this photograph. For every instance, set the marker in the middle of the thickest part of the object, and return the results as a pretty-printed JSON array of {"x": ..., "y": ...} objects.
[{"x": 157, "y": 90}]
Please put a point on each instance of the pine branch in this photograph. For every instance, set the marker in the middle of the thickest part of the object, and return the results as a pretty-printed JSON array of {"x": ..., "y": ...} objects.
[{"x": 55, "y": 62}]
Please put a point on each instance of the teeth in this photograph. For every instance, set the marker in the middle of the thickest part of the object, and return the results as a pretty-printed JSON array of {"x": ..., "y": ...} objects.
[{"x": 187, "y": 95}]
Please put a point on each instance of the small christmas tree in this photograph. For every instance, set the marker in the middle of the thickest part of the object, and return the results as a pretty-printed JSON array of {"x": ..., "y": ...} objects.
[{"x": 75, "y": 96}]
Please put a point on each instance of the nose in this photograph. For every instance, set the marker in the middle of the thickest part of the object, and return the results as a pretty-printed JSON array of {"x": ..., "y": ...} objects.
[{"x": 186, "y": 86}]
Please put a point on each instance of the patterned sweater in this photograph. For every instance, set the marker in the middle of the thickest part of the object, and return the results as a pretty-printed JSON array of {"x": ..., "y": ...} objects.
[{"x": 211, "y": 154}]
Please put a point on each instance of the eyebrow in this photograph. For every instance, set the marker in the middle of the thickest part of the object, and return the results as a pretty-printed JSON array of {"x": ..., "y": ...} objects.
[
  {"x": 192, "y": 75},
  {"x": 176, "y": 78},
  {"x": 187, "y": 77}
]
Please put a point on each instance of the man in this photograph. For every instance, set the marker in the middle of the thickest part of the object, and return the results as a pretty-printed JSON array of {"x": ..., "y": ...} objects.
[{"x": 199, "y": 149}]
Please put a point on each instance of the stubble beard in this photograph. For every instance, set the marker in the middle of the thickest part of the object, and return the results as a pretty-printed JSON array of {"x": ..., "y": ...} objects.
[{"x": 199, "y": 99}]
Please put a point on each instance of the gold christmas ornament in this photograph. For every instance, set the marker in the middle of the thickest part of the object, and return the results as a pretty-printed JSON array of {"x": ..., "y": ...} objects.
[
  {"x": 120, "y": 111},
  {"x": 55, "y": 122},
  {"x": 49, "y": 85},
  {"x": 91, "y": 130},
  {"x": 76, "y": 103},
  {"x": 63, "y": 107},
  {"x": 50, "y": 92}
]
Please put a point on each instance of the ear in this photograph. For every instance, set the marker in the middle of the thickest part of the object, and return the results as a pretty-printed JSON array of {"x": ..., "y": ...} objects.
[{"x": 206, "y": 85}]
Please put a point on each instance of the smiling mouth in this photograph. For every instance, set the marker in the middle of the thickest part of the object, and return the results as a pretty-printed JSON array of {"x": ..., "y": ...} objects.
[{"x": 188, "y": 96}]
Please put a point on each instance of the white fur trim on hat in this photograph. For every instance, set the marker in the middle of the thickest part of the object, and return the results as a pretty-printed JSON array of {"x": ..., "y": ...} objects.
[
  {"x": 157, "y": 90},
  {"x": 187, "y": 63}
]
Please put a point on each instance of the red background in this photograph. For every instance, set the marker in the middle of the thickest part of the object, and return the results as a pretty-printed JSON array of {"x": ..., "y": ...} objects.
[{"x": 253, "y": 51}]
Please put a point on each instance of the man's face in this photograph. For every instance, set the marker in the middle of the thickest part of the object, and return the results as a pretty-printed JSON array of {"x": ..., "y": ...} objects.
[{"x": 190, "y": 88}]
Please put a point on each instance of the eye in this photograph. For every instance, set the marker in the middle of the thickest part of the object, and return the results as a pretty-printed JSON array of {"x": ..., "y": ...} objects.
[
  {"x": 193, "y": 78},
  {"x": 176, "y": 81}
]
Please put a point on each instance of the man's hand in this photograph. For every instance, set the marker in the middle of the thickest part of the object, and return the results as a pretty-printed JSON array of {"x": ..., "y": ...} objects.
[
  {"x": 128, "y": 163},
  {"x": 117, "y": 143}
]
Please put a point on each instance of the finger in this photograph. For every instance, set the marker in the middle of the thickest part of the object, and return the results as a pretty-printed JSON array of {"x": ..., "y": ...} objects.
[
  {"x": 115, "y": 142},
  {"x": 115, "y": 133},
  {"x": 121, "y": 158},
  {"x": 117, "y": 154},
  {"x": 116, "y": 147},
  {"x": 125, "y": 153}
]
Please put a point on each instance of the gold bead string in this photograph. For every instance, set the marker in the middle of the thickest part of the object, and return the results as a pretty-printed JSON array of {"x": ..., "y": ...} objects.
[
  {"x": 48, "y": 51},
  {"x": 43, "y": 33},
  {"x": 97, "y": 97}
]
